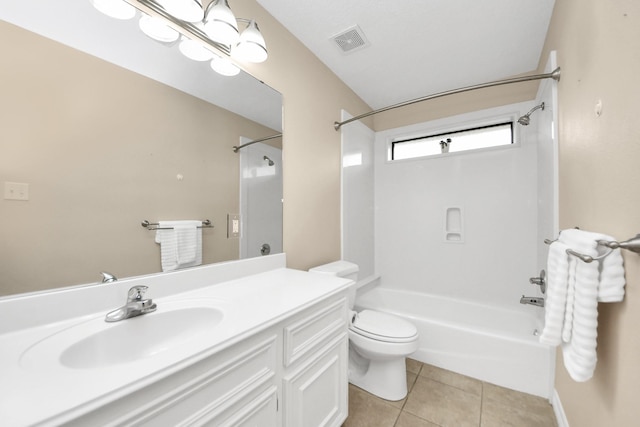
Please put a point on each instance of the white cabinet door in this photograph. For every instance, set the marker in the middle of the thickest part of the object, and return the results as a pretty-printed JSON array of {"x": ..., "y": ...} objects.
[{"x": 315, "y": 394}]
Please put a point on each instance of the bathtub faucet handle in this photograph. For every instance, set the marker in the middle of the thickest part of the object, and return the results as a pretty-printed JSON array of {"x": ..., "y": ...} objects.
[{"x": 540, "y": 281}]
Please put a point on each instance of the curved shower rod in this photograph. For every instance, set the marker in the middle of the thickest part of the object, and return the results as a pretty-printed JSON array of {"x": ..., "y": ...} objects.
[
  {"x": 555, "y": 75},
  {"x": 237, "y": 148}
]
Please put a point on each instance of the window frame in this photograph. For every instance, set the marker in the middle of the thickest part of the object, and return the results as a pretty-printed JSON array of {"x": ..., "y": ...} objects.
[{"x": 432, "y": 132}]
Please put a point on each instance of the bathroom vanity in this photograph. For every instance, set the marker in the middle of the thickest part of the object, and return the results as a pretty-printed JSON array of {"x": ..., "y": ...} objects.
[{"x": 242, "y": 343}]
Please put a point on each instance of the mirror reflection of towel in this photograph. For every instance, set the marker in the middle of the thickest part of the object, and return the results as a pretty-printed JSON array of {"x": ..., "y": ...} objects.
[{"x": 180, "y": 244}]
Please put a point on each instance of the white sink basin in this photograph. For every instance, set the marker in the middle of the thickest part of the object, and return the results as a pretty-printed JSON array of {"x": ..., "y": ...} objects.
[
  {"x": 140, "y": 337},
  {"x": 98, "y": 344}
]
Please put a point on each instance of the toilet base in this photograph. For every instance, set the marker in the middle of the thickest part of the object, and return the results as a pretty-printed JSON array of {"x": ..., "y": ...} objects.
[{"x": 386, "y": 379}]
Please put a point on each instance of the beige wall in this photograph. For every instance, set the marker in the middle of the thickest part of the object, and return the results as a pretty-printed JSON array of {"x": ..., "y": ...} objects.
[
  {"x": 313, "y": 98},
  {"x": 598, "y": 45},
  {"x": 456, "y": 104},
  {"x": 101, "y": 148}
]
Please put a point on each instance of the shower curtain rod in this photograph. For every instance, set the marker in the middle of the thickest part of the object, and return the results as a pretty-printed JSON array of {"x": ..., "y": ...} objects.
[
  {"x": 555, "y": 75},
  {"x": 237, "y": 148}
]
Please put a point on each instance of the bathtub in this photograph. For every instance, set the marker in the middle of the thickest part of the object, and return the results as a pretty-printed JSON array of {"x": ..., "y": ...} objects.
[{"x": 488, "y": 343}]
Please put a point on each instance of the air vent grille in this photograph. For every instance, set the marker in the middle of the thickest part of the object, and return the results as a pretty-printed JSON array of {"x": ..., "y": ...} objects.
[{"x": 351, "y": 39}]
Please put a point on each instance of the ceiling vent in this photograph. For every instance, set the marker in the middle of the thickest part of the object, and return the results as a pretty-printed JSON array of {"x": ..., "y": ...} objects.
[{"x": 351, "y": 40}]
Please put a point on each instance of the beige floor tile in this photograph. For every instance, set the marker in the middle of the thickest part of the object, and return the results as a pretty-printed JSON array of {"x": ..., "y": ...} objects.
[
  {"x": 411, "y": 379},
  {"x": 408, "y": 420},
  {"x": 462, "y": 382},
  {"x": 505, "y": 407},
  {"x": 366, "y": 410},
  {"x": 413, "y": 366},
  {"x": 443, "y": 404}
]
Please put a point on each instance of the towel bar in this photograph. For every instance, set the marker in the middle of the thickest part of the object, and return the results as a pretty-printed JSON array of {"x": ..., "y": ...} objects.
[
  {"x": 148, "y": 225},
  {"x": 632, "y": 245}
]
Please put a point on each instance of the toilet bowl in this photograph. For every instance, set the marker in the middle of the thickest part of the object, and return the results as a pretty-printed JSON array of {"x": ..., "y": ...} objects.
[{"x": 378, "y": 343}]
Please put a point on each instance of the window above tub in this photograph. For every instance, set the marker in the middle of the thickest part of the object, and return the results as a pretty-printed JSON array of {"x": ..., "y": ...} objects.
[{"x": 465, "y": 139}]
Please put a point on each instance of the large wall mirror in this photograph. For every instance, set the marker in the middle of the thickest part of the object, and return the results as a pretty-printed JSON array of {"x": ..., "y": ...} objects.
[{"x": 109, "y": 128}]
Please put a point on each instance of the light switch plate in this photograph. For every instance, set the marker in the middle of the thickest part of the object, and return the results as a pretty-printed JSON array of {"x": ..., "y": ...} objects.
[
  {"x": 233, "y": 225},
  {"x": 16, "y": 191}
]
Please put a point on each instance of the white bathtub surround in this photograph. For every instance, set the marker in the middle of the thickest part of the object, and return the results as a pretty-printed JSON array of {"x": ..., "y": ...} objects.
[
  {"x": 584, "y": 284},
  {"x": 495, "y": 191},
  {"x": 357, "y": 219},
  {"x": 253, "y": 296},
  {"x": 485, "y": 342}
]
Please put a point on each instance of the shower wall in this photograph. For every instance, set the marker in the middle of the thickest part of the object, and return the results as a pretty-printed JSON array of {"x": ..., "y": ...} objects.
[
  {"x": 358, "y": 196},
  {"x": 496, "y": 192}
]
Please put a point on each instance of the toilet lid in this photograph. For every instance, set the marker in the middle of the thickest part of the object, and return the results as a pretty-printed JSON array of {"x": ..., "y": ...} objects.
[{"x": 383, "y": 326}]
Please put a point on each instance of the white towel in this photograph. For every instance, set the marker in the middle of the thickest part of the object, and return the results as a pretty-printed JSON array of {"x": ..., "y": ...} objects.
[
  {"x": 556, "y": 300},
  {"x": 574, "y": 290},
  {"x": 581, "y": 317},
  {"x": 612, "y": 279},
  {"x": 180, "y": 244}
]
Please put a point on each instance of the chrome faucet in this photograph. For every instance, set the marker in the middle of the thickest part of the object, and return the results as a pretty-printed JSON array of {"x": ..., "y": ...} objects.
[
  {"x": 540, "y": 281},
  {"x": 532, "y": 300},
  {"x": 135, "y": 306},
  {"x": 108, "y": 277}
]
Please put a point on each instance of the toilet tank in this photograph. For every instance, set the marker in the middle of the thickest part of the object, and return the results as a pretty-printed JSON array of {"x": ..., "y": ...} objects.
[{"x": 344, "y": 269}]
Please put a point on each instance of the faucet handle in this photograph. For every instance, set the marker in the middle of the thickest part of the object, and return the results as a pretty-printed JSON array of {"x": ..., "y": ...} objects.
[
  {"x": 540, "y": 281},
  {"x": 108, "y": 277},
  {"x": 136, "y": 293}
]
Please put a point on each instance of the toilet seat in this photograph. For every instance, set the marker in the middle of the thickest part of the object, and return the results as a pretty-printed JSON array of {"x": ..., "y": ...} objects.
[{"x": 383, "y": 327}]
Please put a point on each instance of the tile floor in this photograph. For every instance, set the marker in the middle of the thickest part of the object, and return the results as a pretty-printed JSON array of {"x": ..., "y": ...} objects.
[{"x": 441, "y": 398}]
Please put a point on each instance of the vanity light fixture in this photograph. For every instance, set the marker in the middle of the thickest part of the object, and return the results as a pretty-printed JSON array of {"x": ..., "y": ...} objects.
[
  {"x": 185, "y": 10},
  {"x": 194, "y": 50},
  {"x": 251, "y": 46},
  {"x": 201, "y": 32},
  {"x": 118, "y": 9},
  {"x": 156, "y": 29},
  {"x": 220, "y": 23},
  {"x": 224, "y": 67}
]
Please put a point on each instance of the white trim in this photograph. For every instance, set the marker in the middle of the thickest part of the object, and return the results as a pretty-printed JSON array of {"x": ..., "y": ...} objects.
[{"x": 558, "y": 410}]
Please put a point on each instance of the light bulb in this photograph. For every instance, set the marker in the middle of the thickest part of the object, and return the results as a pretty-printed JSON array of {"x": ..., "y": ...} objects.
[
  {"x": 251, "y": 46},
  {"x": 220, "y": 23},
  {"x": 193, "y": 49},
  {"x": 157, "y": 29},
  {"x": 224, "y": 67}
]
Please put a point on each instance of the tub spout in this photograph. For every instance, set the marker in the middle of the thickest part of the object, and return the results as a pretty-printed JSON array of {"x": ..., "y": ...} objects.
[{"x": 532, "y": 300}]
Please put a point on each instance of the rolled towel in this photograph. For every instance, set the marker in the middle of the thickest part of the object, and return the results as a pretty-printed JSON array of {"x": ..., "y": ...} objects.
[
  {"x": 583, "y": 277},
  {"x": 556, "y": 300},
  {"x": 580, "y": 336},
  {"x": 612, "y": 280}
]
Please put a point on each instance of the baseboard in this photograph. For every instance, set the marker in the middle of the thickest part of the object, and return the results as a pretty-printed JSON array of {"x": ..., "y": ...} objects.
[{"x": 558, "y": 410}]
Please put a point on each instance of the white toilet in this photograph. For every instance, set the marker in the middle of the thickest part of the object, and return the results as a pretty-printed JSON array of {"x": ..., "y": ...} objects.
[{"x": 378, "y": 342}]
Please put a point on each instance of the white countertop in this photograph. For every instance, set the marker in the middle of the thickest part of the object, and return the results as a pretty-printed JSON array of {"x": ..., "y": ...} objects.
[{"x": 38, "y": 389}]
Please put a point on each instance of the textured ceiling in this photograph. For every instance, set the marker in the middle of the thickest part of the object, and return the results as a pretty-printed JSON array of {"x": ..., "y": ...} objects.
[{"x": 419, "y": 47}]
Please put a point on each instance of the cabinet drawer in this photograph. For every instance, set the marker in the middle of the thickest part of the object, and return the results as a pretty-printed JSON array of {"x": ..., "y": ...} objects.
[
  {"x": 308, "y": 333},
  {"x": 262, "y": 411},
  {"x": 215, "y": 386}
]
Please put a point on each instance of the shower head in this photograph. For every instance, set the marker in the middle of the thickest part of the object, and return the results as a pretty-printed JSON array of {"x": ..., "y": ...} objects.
[
  {"x": 526, "y": 119},
  {"x": 270, "y": 161}
]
